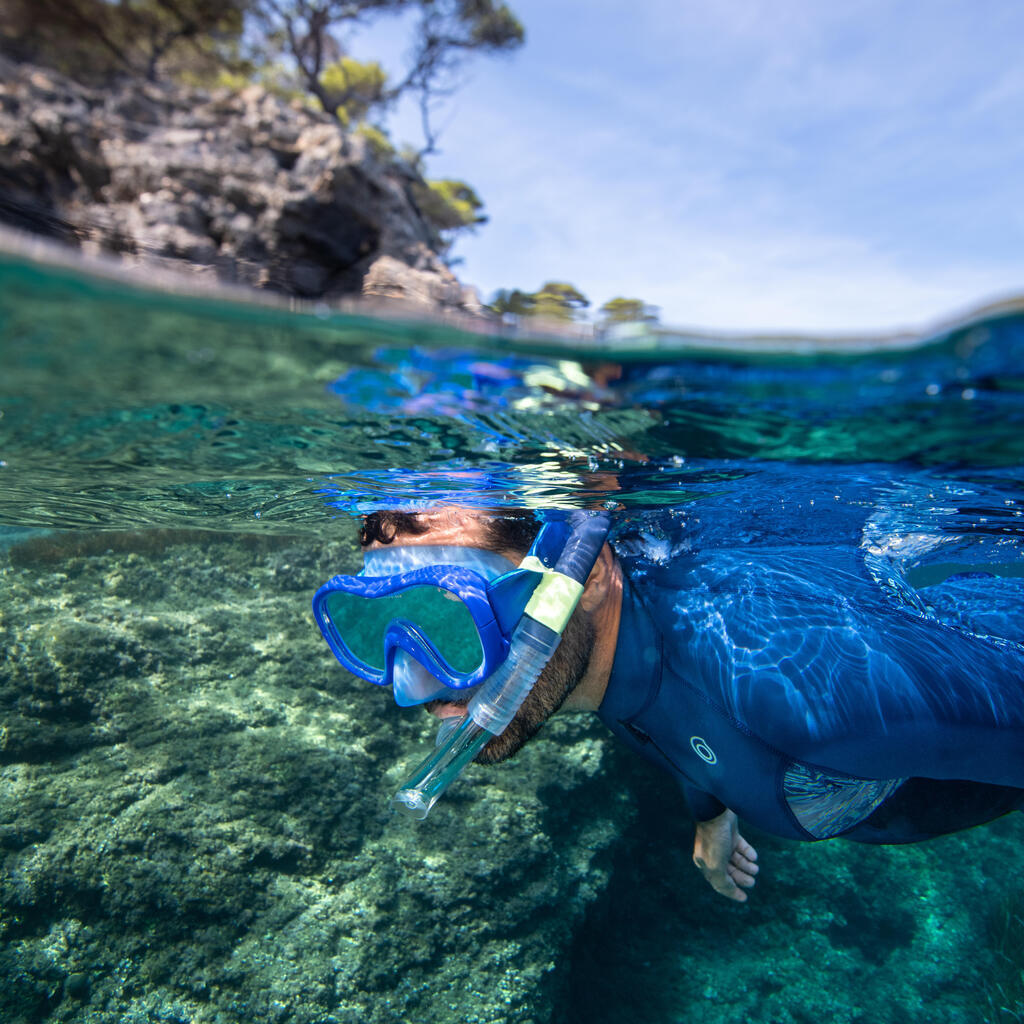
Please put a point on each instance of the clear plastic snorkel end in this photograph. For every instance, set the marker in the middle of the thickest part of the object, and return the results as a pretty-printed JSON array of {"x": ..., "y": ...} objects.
[{"x": 458, "y": 745}]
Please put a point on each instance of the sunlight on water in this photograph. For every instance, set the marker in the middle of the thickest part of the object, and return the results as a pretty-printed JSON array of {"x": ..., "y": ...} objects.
[{"x": 161, "y": 411}]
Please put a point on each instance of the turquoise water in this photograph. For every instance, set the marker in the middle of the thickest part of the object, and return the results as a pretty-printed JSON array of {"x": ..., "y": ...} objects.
[
  {"x": 193, "y": 805},
  {"x": 126, "y": 409}
]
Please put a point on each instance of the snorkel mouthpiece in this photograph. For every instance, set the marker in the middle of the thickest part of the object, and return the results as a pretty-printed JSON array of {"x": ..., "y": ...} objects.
[
  {"x": 533, "y": 643},
  {"x": 442, "y": 767}
]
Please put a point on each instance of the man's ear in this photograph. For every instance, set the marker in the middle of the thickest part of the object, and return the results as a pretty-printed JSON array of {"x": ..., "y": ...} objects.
[{"x": 599, "y": 582}]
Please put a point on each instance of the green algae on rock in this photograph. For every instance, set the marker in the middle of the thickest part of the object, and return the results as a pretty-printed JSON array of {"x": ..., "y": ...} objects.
[
  {"x": 194, "y": 821},
  {"x": 194, "y": 827}
]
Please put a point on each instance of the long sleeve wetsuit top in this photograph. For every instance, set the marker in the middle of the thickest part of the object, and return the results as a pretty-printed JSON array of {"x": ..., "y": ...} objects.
[{"x": 789, "y": 687}]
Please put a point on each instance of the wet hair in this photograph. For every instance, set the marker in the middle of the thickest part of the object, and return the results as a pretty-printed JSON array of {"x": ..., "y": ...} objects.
[
  {"x": 504, "y": 530},
  {"x": 384, "y": 527}
]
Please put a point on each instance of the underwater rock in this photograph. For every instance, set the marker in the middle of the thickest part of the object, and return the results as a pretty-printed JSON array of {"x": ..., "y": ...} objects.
[
  {"x": 195, "y": 827},
  {"x": 194, "y": 818},
  {"x": 242, "y": 187}
]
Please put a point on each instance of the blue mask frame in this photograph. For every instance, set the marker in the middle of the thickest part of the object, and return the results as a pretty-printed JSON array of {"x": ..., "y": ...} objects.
[{"x": 495, "y": 608}]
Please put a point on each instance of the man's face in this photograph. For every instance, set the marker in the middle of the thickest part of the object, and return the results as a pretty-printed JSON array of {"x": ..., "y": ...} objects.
[{"x": 560, "y": 677}]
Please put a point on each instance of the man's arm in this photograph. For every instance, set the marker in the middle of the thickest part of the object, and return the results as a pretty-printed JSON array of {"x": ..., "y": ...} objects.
[{"x": 725, "y": 858}]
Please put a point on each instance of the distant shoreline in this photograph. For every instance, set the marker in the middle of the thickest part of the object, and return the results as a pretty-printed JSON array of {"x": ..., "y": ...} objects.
[{"x": 633, "y": 341}]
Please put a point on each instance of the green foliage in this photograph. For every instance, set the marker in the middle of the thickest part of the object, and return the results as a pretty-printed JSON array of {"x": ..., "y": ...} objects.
[
  {"x": 225, "y": 78},
  {"x": 450, "y": 205},
  {"x": 554, "y": 300},
  {"x": 295, "y": 49},
  {"x": 558, "y": 300},
  {"x": 626, "y": 311},
  {"x": 491, "y": 25},
  {"x": 95, "y": 40},
  {"x": 378, "y": 140},
  {"x": 196, "y": 40},
  {"x": 274, "y": 79},
  {"x": 311, "y": 34},
  {"x": 280, "y": 81},
  {"x": 353, "y": 87},
  {"x": 514, "y": 302}
]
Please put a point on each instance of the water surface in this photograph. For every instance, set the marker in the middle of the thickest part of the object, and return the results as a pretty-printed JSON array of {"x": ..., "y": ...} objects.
[{"x": 193, "y": 808}]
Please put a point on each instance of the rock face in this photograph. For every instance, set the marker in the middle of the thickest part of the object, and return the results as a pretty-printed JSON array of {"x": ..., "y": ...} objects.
[
  {"x": 194, "y": 829},
  {"x": 241, "y": 187}
]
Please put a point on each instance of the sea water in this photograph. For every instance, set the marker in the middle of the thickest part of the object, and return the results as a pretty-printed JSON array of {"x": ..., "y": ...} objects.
[{"x": 194, "y": 820}]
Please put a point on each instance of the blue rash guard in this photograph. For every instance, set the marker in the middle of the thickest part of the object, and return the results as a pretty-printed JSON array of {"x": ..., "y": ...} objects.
[{"x": 789, "y": 687}]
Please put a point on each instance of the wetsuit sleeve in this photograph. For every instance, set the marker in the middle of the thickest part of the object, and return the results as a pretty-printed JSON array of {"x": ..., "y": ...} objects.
[{"x": 703, "y": 806}]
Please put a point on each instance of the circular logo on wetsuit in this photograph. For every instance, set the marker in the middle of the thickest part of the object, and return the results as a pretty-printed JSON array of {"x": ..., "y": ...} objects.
[{"x": 702, "y": 750}]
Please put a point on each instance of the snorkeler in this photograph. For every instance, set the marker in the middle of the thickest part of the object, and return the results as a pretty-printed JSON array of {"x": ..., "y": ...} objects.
[{"x": 784, "y": 689}]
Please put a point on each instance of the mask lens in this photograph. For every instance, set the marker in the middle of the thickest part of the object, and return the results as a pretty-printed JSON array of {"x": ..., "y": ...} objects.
[{"x": 437, "y": 614}]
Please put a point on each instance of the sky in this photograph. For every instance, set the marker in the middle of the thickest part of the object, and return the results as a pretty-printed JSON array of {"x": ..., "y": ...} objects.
[{"x": 745, "y": 164}]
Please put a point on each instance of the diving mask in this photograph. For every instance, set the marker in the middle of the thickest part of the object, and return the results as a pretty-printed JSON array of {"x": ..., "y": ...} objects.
[{"x": 424, "y": 619}]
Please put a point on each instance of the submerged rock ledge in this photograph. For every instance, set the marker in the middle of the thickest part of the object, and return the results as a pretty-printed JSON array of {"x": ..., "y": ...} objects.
[
  {"x": 194, "y": 820},
  {"x": 240, "y": 187},
  {"x": 194, "y": 828}
]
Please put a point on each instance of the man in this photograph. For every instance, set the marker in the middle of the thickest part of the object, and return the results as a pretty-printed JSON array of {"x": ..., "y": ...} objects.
[{"x": 791, "y": 690}]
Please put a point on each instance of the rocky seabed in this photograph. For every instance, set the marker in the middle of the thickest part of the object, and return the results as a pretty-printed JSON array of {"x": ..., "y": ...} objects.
[{"x": 195, "y": 827}]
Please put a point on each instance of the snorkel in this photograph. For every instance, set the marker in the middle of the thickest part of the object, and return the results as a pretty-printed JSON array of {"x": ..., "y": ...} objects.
[{"x": 559, "y": 562}]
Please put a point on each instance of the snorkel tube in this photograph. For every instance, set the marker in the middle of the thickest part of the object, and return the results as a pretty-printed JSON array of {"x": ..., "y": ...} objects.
[{"x": 533, "y": 643}]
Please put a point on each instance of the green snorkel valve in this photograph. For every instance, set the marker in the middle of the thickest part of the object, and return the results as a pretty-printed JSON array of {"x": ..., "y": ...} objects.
[{"x": 533, "y": 643}]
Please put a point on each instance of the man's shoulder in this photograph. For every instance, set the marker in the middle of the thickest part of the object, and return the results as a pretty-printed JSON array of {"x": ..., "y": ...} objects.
[
  {"x": 760, "y": 635},
  {"x": 792, "y": 577}
]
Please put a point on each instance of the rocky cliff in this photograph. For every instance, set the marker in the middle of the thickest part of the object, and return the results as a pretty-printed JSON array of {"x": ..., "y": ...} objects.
[{"x": 241, "y": 187}]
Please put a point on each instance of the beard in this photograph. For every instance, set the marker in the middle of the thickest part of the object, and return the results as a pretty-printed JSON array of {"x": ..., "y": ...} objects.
[{"x": 560, "y": 677}]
